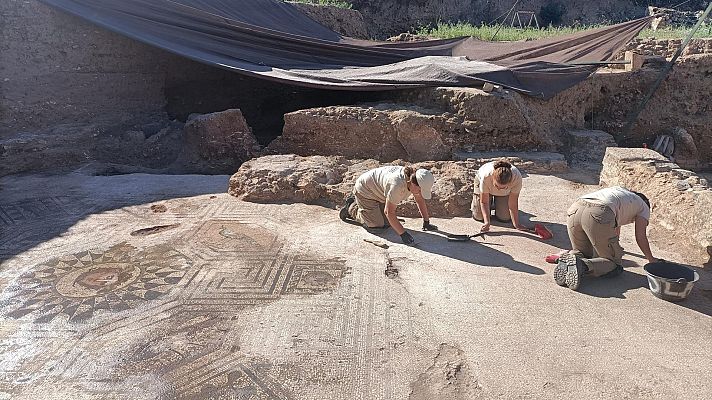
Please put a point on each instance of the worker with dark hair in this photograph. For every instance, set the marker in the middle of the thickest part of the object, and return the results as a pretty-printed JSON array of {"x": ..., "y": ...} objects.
[
  {"x": 497, "y": 182},
  {"x": 594, "y": 222},
  {"x": 377, "y": 193}
]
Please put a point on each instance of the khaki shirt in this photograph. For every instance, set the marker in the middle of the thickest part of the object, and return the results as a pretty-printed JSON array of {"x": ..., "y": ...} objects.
[
  {"x": 625, "y": 204},
  {"x": 383, "y": 184},
  {"x": 484, "y": 181}
]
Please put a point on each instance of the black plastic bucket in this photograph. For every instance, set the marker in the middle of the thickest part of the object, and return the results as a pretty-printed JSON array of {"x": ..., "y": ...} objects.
[{"x": 670, "y": 281}]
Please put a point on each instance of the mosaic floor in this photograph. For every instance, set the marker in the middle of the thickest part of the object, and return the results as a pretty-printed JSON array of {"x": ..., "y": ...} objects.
[{"x": 166, "y": 288}]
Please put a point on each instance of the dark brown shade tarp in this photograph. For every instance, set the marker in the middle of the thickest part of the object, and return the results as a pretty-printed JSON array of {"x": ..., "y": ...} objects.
[{"x": 271, "y": 39}]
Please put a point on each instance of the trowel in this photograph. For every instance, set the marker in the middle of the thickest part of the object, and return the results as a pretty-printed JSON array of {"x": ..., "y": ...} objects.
[{"x": 463, "y": 238}]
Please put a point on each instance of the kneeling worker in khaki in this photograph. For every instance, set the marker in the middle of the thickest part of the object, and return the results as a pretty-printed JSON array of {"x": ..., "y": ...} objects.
[
  {"x": 593, "y": 223},
  {"x": 377, "y": 193},
  {"x": 497, "y": 182}
]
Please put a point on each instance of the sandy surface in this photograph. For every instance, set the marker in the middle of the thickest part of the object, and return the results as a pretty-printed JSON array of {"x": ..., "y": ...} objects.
[{"x": 246, "y": 301}]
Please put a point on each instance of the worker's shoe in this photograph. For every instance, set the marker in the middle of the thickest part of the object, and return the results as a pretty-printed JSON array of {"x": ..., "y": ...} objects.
[
  {"x": 344, "y": 212},
  {"x": 560, "y": 271},
  {"x": 615, "y": 272},
  {"x": 575, "y": 270}
]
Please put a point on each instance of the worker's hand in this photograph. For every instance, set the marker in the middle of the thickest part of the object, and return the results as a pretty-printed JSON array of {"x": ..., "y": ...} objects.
[
  {"x": 654, "y": 260},
  {"x": 485, "y": 228},
  {"x": 406, "y": 238},
  {"x": 427, "y": 226}
]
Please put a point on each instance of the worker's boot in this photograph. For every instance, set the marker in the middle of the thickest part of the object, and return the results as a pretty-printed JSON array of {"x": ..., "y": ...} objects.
[
  {"x": 560, "y": 271},
  {"x": 575, "y": 270},
  {"x": 344, "y": 212}
]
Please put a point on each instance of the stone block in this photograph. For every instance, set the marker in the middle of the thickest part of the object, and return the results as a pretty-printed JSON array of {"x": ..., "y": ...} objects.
[
  {"x": 223, "y": 139},
  {"x": 686, "y": 154},
  {"x": 385, "y": 132},
  {"x": 635, "y": 61},
  {"x": 586, "y": 148}
]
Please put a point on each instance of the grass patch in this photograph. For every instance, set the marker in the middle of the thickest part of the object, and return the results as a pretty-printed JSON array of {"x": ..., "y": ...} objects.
[
  {"x": 508, "y": 33},
  {"x": 334, "y": 3}
]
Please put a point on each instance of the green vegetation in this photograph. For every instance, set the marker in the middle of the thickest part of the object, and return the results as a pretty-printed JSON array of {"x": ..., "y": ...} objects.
[
  {"x": 335, "y": 3},
  {"x": 507, "y": 33}
]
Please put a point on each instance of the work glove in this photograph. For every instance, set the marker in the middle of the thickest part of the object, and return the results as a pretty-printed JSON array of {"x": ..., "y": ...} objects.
[
  {"x": 427, "y": 226},
  {"x": 406, "y": 238}
]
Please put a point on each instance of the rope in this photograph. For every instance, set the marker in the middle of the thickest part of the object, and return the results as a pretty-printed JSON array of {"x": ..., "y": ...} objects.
[
  {"x": 505, "y": 20},
  {"x": 684, "y": 2}
]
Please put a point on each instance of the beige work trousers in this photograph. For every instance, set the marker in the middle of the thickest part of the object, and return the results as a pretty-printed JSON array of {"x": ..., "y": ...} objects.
[
  {"x": 500, "y": 204},
  {"x": 370, "y": 213},
  {"x": 592, "y": 231}
]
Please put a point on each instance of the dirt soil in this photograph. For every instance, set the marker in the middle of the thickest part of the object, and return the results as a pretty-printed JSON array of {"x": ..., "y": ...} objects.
[{"x": 285, "y": 301}]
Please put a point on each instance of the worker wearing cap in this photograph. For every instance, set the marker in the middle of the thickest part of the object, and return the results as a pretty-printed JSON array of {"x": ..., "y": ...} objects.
[
  {"x": 497, "y": 182},
  {"x": 378, "y": 192},
  {"x": 593, "y": 223}
]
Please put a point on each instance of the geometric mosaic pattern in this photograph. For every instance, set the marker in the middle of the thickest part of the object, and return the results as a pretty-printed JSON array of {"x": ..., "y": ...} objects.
[
  {"x": 189, "y": 341},
  {"x": 36, "y": 361},
  {"x": 78, "y": 285},
  {"x": 27, "y": 223},
  {"x": 219, "y": 375},
  {"x": 38, "y": 208},
  {"x": 248, "y": 265},
  {"x": 258, "y": 280}
]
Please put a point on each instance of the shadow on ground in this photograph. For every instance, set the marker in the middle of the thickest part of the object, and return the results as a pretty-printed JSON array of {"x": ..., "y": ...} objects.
[
  {"x": 700, "y": 299},
  {"x": 560, "y": 239},
  {"x": 613, "y": 287},
  {"x": 37, "y": 208},
  {"x": 472, "y": 252}
]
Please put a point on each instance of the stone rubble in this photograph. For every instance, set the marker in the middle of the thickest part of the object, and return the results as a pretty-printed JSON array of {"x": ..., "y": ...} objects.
[
  {"x": 668, "y": 17},
  {"x": 221, "y": 140}
]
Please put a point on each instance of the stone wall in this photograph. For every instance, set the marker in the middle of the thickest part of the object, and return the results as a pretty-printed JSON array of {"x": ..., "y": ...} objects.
[
  {"x": 681, "y": 200},
  {"x": 448, "y": 119},
  {"x": 389, "y": 131},
  {"x": 667, "y": 47}
]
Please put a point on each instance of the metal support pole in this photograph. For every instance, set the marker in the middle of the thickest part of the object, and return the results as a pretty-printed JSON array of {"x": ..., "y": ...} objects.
[
  {"x": 505, "y": 20},
  {"x": 636, "y": 113}
]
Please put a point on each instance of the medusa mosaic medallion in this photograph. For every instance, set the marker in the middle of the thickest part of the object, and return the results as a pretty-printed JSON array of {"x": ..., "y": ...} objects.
[{"x": 78, "y": 285}]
